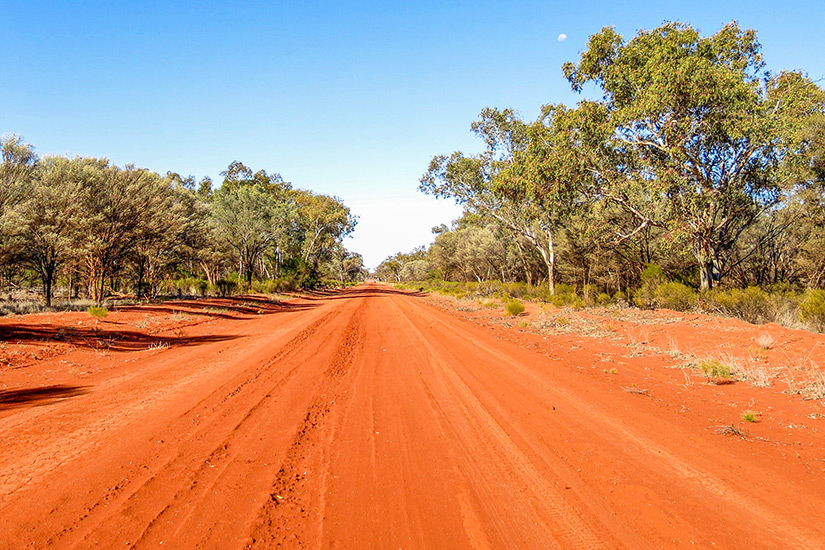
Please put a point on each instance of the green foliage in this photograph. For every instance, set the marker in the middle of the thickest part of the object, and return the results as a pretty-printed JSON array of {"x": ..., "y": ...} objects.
[
  {"x": 715, "y": 370},
  {"x": 302, "y": 272},
  {"x": 603, "y": 299},
  {"x": 647, "y": 296},
  {"x": 565, "y": 295},
  {"x": 514, "y": 308},
  {"x": 98, "y": 312},
  {"x": 750, "y": 416},
  {"x": 653, "y": 274},
  {"x": 689, "y": 137},
  {"x": 751, "y": 304},
  {"x": 192, "y": 286},
  {"x": 225, "y": 287},
  {"x": 676, "y": 296},
  {"x": 812, "y": 308}
]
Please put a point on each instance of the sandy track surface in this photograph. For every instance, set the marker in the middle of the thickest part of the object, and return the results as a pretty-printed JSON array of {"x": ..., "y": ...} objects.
[{"x": 369, "y": 418}]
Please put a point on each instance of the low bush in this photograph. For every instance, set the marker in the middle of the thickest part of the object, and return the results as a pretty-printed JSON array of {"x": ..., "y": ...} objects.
[
  {"x": 751, "y": 304},
  {"x": 514, "y": 308},
  {"x": 812, "y": 308},
  {"x": 98, "y": 312},
  {"x": 189, "y": 285},
  {"x": 603, "y": 299},
  {"x": 715, "y": 370},
  {"x": 225, "y": 287},
  {"x": 675, "y": 296},
  {"x": 565, "y": 296}
]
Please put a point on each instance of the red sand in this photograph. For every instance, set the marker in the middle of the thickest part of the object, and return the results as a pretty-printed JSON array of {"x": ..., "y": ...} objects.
[{"x": 373, "y": 418}]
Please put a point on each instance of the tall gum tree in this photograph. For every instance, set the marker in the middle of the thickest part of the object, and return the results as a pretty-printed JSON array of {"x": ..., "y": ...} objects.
[
  {"x": 46, "y": 224},
  {"x": 700, "y": 124},
  {"x": 527, "y": 178}
]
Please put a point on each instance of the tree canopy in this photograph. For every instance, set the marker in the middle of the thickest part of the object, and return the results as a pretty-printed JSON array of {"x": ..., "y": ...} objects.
[
  {"x": 113, "y": 229},
  {"x": 695, "y": 158}
]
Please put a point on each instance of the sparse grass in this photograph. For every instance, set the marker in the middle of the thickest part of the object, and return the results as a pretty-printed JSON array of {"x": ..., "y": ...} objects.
[
  {"x": 765, "y": 341},
  {"x": 21, "y": 307},
  {"x": 811, "y": 385},
  {"x": 730, "y": 429},
  {"x": 750, "y": 416},
  {"x": 752, "y": 372},
  {"x": 179, "y": 316},
  {"x": 158, "y": 345}
]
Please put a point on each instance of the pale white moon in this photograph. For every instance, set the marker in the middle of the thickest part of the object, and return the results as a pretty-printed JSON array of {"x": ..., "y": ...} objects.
[{"x": 562, "y": 37}]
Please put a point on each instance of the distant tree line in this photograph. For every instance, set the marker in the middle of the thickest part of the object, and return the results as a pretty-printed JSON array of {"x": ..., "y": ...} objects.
[
  {"x": 695, "y": 159},
  {"x": 93, "y": 228}
]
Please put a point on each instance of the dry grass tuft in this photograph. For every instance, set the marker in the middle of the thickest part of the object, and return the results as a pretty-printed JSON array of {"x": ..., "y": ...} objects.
[
  {"x": 730, "y": 429},
  {"x": 765, "y": 341},
  {"x": 811, "y": 383}
]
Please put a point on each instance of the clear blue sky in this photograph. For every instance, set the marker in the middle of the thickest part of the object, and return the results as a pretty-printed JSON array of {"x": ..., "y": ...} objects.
[{"x": 345, "y": 98}]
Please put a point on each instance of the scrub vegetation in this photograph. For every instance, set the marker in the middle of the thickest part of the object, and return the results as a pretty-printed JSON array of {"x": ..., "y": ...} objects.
[
  {"x": 696, "y": 180},
  {"x": 89, "y": 229}
]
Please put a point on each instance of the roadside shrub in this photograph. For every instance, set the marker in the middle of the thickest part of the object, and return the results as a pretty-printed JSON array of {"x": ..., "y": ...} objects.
[
  {"x": 543, "y": 293},
  {"x": 675, "y": 296},
  {"x": 812, "y": 308},
  {"x": 98, "y": 312},
  {"x": 589, "y": 294},
  {"x": 514, "y": 308},
  {"x": 285, "y": 284},
  {"x": 266, "y": 287},
  {"x": 565, "y": 296},
  {"x": 516, "y": 290},
  {"x": 603, "y": 299},
  {"x": 190, "y": 285},
  {"x": 652, "y": 278},
  {"x": 752, "y": 304},
  {"x": 487, "y": 288},
  {"x": 225, "y": 287}
]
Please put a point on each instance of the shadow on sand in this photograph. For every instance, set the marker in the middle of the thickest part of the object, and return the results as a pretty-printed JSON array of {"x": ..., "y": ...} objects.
[{"x": 11, "y": 399}]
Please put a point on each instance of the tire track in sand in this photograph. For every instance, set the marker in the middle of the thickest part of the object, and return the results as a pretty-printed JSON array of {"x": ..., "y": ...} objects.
[{"x": 292, "y": 515}]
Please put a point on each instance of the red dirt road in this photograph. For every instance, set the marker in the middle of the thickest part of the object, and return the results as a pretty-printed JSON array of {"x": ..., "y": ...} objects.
[{"x": 369, "y": 418}]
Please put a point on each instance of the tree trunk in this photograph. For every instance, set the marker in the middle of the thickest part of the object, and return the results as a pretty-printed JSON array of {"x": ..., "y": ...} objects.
[
  {"x": 96, "y": 281},
  {"x": 140, "y": 279},
  {"x": 548, "y": 254},
  {"x": 48, "y": 278}
]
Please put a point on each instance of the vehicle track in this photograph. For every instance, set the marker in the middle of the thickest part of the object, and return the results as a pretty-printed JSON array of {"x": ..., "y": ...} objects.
[{"x": 374, "y": 420}]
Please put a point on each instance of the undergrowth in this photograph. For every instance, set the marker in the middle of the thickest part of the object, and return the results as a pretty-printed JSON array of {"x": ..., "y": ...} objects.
[{"x": 793, "y": 308}]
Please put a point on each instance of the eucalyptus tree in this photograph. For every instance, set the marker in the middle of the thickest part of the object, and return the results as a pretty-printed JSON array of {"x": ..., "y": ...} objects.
[
  {"x": 123, "y": 208},
  {"x": 248, "y": 218},
  {"x": 171, "y": 238},
  {"x": 346, "y": 266},
  {"x": 324, "y": 222},
  {"x": 696, "y": 121},
  {"x": 527, "y": 178},
  {"x": 17, "y": 165},
  {"x": 46, "y": 224},
  {"x": 16, "y": 169}
]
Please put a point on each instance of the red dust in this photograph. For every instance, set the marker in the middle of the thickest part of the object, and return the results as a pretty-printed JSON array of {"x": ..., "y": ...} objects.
[{"x": 375, "y": 418}]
